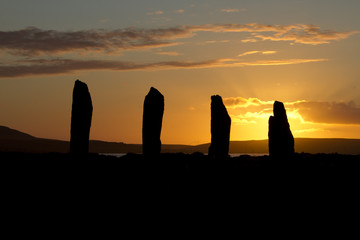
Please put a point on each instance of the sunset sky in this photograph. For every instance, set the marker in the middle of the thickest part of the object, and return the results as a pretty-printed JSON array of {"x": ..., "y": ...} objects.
[{"x": 305, "y": 53}]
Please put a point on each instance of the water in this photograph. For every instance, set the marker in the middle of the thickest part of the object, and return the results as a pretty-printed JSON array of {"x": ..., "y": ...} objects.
[
  {"x": 250, "y": 154},
  {"x": 113, "y": 154},
  {"x": 231, "y": 154}
]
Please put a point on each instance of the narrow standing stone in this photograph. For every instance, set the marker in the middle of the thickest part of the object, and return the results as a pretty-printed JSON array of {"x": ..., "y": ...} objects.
[
  {"x": 220, "y": 129},
  {"x": 81, "y": 115},
  {"x": 281, "y": 140},
  {"x": 152, "y": 122}
]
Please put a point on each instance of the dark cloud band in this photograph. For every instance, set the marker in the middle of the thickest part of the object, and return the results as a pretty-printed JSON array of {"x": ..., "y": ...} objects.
[
  {"x": 62, "y": 66},
  {"x": 33, "y": 41}
]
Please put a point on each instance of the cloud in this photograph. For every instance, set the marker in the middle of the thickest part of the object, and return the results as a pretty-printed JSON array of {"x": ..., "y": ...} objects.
[
  {"x": 254, "y": 52},
  {"x": 239, "y": 102},
  {"x": 249, "y": 40},
  {"x": 329, "y": 112},
  {"x": 248, "y": 53},
  {"x": 180, "y": 11},
  {"x": 169, "y": 53},
  {"x": 210, "y": 41},
  {"x": 213, "y": 41},
  {"x": 62, "y": 66},
  {"x": 238, "y": 120},
  {"x": 230, "y": 10},
  {"x": 283, "y": 62},
  {"x": 269, "y": 52},
  {"x": 159, "y": 12},
  {"x": 307, "y": 34},
  {"x": 309, "y": 130},
  {"x": 33, "y": 41},
  {"x": 299, "y": 33},
  {"x": 233, "y": 10},
  {"x": 305, "y": 111}
]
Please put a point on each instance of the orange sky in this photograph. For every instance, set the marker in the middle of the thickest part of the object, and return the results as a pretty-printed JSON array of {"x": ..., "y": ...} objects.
[{"x": 297, "y": 53}]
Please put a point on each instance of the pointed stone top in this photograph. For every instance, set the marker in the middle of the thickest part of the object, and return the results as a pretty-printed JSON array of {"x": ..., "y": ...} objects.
[
  {"x": 279, "y": 109},
  {"x": 154, "y": 92},
  {"x": 80, "y": 84}
]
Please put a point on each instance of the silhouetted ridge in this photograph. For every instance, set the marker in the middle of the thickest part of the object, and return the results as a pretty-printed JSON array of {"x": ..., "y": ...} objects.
[
  {"x": 12, "y": 134},
  {"x": 152, "y": 122},
  {"x": 281, "y": 140},
  {"x": 220, "y": 129},
  {"x": 81, "y": 115}
]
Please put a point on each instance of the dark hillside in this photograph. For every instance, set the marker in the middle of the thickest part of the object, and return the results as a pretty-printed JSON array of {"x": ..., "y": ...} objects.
[{"x": 12, "y": 134}]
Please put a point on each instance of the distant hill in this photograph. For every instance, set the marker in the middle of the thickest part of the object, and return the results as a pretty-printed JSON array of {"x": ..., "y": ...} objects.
[
  {"x": 8, "y": 133},
  {"x": 12, "y": 140},
  {"x": 15, "y": 141}
]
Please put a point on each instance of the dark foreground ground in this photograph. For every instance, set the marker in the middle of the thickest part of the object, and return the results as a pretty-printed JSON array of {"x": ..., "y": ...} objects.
[
  {"x": 180, "y": 174},
  {"x": 59, "y": 184}
]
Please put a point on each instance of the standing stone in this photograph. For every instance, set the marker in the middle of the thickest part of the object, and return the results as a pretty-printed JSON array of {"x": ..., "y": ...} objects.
[
  {"x": 281, "y": 140},
  {"x": 152, "y": 122},
  {"x": 220, "y": 129},
  {"x": 81, "y": 115}
]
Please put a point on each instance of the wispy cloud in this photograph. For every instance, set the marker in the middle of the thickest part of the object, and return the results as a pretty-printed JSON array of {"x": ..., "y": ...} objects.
[
  {"x": 284, "y": 62},
  {"x": 180, "y": 11},
  {"x": 269, "y": 52},
  {"x": 305, "y": 111},
  {"x": 307, "y": 34},
  {"x": 240, "y": 102},
  {"x": 248, "y": 53},
  {"x": 233, "y": 10},
  {"x": 210, "y": 41},
  {"x": 230, "y": 10},
  {"x": 33, "y": 41},
  {"x": 309, "y": 130},
  {"x": 63, "y": 66},
  {"x": 159, "y": 12},
  {"x": 214, "y": 41},
  {"x": 299, "y": 33},
  {"x": 30, "y": 43},
  {"x": 169, "y": 53},
  {"x": 249, "y": 40}
]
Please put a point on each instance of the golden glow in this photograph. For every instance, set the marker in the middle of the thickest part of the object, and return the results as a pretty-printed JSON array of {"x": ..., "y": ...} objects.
[
  {"x": 247, "y": 120},
  {"x": 250, "y": 65}
]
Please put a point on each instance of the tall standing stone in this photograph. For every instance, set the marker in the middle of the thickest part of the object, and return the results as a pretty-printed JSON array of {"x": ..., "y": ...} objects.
[
  {"x": 152, "y": 122},
  {"x": 220, "y": 129},
  {"x": 81, "y": 115},
  {"x": 281, "y": 140}
]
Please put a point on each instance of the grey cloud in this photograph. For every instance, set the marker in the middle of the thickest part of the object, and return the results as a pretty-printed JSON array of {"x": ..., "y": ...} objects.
[
  {"x": 61, "y": 66},
  {"x": 33, "y": 41},
  {"x": 329, "y": 112},
  {"x": 58, "y": 66}
]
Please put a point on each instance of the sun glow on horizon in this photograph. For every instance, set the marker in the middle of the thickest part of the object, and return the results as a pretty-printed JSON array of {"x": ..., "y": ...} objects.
[
  {"x": 312, "y": 126},
  {"x": 189, "y": 52}
]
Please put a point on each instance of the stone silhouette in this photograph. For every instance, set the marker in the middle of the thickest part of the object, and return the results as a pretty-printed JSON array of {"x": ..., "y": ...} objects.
[
  {"x": 81, "y": 115},
  {"x": 281, "y": 140},
  {"x": 152, "y": 122},
  {"x": 220, "y": 129}
]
